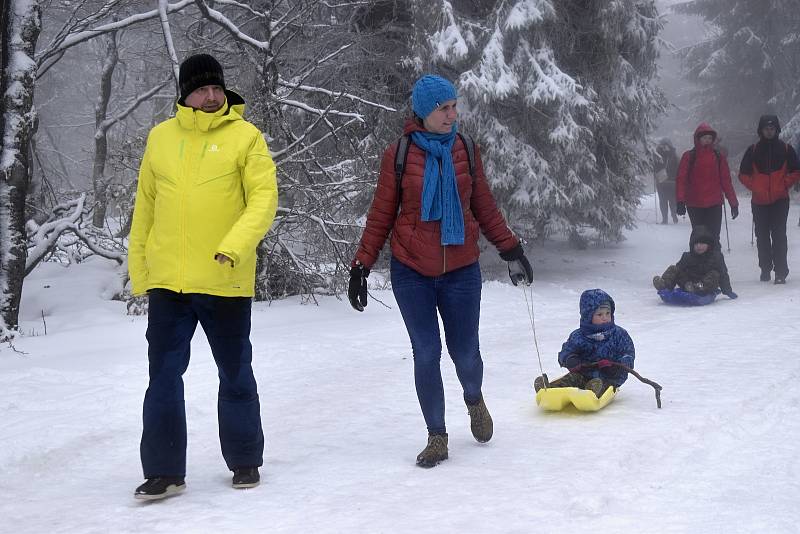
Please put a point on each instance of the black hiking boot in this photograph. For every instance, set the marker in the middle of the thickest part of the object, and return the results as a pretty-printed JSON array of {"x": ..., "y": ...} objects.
[
  {"x": 658, "y": 283},
  {"x": 780, "y": 279},
  {"x": 765, "y": 276},
  {"x": 159, "y": 488},
  {"x": 480, "y": 422},
  {"x": 435, "y": 452},
  {"x": 245, "y": 477}
]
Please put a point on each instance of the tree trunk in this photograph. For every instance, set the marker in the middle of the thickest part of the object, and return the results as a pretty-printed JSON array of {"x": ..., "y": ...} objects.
[
  {"x": 99, "y": 181},
  {"x": 21, "y": 27}
]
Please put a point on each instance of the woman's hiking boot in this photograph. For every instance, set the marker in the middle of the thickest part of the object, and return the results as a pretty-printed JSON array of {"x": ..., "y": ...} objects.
[
  {"x": 435, "y": 452},
  {"x": 480, "y": 422}
]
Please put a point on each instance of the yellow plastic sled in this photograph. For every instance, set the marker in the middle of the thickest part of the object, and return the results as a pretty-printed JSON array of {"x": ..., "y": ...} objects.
[{"x": 556, "y": 399}]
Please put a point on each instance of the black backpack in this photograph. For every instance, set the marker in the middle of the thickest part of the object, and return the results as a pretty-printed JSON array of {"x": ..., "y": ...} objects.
[{"x": 402, "y": 153}]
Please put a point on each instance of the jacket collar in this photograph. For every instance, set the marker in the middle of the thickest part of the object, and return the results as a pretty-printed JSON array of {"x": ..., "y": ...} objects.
[{"x": 191, "y": 119}]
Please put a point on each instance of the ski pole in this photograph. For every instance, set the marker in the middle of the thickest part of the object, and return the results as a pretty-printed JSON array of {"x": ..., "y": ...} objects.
[{"x": 727, "y": 236}]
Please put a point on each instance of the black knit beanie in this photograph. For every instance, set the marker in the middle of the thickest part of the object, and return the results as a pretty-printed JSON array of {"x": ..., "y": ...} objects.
[{"x": 197, "y": 71}]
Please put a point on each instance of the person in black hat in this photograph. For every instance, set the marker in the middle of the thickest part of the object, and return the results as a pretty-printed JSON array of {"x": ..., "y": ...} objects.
[
  {"x": 768, "y": 170},
  {"x": 207, "y": 194}
]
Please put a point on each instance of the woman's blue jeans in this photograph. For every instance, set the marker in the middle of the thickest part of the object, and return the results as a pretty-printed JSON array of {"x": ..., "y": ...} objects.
[{"x": 457, "y": 297}]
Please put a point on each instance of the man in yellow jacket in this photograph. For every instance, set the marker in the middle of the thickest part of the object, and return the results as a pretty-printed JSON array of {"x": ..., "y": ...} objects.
[{"x": 207, "y": 195}]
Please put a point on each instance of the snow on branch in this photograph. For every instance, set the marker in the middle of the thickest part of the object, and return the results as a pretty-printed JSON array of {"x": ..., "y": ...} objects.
[
  {"x": 72, "y": 39},
  {"x": 162, "y": 15},
  {"x": 528, "y": 12},
  {"x": 312, "y": 145},
  {"x": 334, "y": 94},
  {"x": 215, "y": 16},
  {"x": 494, "y": 77},
  {"x": 109, "y": 122},
  {"x": 45, "y": 238},
  {"x": 317, "y": 111},
  {"x": 448, "y": 43}
]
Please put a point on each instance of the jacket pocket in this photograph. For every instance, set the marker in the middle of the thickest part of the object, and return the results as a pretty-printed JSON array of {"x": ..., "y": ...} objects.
[{"x": 214, "y": 168}]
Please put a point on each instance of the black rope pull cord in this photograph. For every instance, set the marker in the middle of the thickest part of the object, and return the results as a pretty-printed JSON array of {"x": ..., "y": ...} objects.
[{"x": 655, "y": 385}]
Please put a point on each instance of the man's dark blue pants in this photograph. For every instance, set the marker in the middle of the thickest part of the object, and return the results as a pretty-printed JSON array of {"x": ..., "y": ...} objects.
[{"x": 172, "y": 320}]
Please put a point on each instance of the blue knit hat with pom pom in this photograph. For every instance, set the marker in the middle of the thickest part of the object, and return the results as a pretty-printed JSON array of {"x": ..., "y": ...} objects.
[{"x": 429, "y": 93}]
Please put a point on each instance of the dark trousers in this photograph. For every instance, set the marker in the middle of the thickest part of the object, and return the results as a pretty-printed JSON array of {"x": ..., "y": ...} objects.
[
  {"x": 666, "y": 200},
  {"x": 710, "y": 217},
  {"x": 457, "y": 297},
  {"x": 171, "y": 322},
  {"x": 770, "y": 230}
]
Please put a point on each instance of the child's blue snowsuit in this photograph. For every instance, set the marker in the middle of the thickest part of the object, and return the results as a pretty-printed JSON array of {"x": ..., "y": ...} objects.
[{"x": 591, "y": 343}]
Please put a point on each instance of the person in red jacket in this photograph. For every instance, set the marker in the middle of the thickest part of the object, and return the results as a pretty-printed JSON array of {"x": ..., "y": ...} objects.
[
  {"x": 768, "y": 170},
  {"x": 443, "y": 208},
  {"x": 703, "y": 177}
]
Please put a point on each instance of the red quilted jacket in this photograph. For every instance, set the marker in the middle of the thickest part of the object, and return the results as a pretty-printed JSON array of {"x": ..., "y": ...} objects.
[
  {"x": 702, "y": 185},
  {"x": 417, "y": 243}
]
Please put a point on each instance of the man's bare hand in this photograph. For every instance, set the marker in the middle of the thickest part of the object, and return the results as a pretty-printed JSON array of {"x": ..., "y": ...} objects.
[{"x": 222, "y": 259}]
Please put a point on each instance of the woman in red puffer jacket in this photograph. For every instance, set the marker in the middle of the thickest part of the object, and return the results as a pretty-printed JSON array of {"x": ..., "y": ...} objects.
[
  {"x": 703, "y": 178},
  {"x": 434, "y": 265}
]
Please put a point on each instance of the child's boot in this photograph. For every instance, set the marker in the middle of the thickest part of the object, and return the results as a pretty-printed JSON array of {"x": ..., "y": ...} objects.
[
  {"x": 658, "y": 283},
  {"x": 569, "y": 380},
  {"x": 538, "y": 383},
  {"x": 669, "y": 278},
  {"x": 596, "y": 386}
]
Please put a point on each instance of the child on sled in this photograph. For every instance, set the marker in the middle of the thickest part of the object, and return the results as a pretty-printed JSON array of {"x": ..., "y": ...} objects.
[
  {"x": 592, "y": 351},
  {"x": 701, "y": 270}
]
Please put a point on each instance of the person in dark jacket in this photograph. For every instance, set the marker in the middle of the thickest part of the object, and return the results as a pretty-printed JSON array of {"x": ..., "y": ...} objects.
[
  {"x": 665, "y": 169},
  {"x": 590, "y": 350},
  {"x": 703, "y": 178},
  {"x": 768, "y": 170},
  {"x": 434, "y": 266},
  {"x": 701, "y": 270}
]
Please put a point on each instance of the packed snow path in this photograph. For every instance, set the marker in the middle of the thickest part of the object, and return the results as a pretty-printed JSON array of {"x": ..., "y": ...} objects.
[{"x": 343, "y": 426}]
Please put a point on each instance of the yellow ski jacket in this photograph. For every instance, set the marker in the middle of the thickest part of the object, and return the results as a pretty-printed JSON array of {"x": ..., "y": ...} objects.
[{"x": 207, "y": 186}]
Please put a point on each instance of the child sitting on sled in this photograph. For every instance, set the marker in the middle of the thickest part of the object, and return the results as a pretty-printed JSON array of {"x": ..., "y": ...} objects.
[
  {"x": 701, "y": 270},
  {"x": 593, "y": 352}
]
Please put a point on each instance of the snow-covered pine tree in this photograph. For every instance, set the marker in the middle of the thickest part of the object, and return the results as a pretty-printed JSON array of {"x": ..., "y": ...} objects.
[
  {"x": 747, "y": 65},
  {"x": 560, "y": 96}
]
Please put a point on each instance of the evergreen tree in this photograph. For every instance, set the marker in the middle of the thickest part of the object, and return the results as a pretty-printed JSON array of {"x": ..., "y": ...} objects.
[
  {"x": 747, "y": 65},
  {"x": 560, "y": 96}
]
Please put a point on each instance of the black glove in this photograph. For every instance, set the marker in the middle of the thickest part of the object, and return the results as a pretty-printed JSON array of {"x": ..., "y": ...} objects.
[
  {"x": 519, "y": 268},
  {"x": 681, "y": 208},
  {"x": 357, "y": 288},
  {"x": 734, "y": 212}
]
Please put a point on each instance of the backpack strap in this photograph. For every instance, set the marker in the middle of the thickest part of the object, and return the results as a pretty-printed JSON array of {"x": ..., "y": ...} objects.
[
  {"x": 469, "y": 145},
  {"x": 400, "y": 160}
]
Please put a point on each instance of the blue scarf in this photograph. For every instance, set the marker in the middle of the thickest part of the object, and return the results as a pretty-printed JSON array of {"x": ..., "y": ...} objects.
[{"x": 440, "y": 200}]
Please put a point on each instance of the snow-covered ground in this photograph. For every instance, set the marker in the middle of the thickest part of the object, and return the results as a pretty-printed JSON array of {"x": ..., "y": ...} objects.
[{"x": 343, "y": 426}]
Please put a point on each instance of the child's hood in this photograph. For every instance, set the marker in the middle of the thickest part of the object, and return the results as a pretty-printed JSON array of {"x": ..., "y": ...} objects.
[
  {"x": 701, "y": 234},
  {"x": 591, "y": 299}
]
